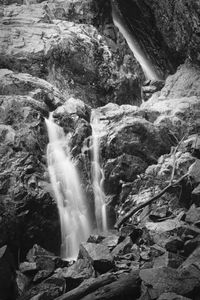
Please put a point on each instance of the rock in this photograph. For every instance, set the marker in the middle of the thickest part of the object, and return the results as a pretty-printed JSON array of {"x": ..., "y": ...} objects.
[
  {"x": 29, "y": 268},
  {"x": 193, "y": 259},
  {"x": 8, "y": 288},
  {"x": 99, "y": 254},
  {"x": 41, "y": 275},
  {"x": 172, "y": 296},
  {"x": 191, "y": 244},
  {"x": 159, "y": 213},
  {"x": 123, "y": 248},
  {"x": 82, "y": 269},
  {"x": 194, "y": 172},
  {"x": 22, "y": 282},
  {"x": 36, "y": 251},
  {"x": 111, "y": 241},
  {"x": 96, "y": 239},
  {"x": 193, "y": 214},
  {"x": 174, "y": 244},
  {"x": 165, "y": 279},
  {"x": 125, "y": 167},
  {"x": 50, "y": 289},
  {"x": 45, "y": 262},
  {"x": 168, "y": 259}
]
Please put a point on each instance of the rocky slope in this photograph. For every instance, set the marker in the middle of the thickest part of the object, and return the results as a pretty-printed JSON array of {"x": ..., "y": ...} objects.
[{"x": 67, "y": 57}]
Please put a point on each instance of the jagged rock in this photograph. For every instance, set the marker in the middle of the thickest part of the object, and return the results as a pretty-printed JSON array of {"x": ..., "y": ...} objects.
[
  {"x": 29, "y": 268},
  {"x": 165, "y": 279},
  {"x": 193, "y": 214},
  {"x": 111, "y": 241},
  {"x": 168, "y": 259},
  {"x": 123, "y": 248},
  {"x": 172, "y": 296},
  {"x": 82, "y": 269},
  {"x": 50, "y": 289},
  {"x": 99, "y": 254},
  {"x": 159, "y": 213}
]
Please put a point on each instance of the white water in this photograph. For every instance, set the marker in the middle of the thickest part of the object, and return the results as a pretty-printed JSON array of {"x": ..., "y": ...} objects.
[
  {"x": 98, "y": 176},
  {"x": 140, "y": 56},
  {"x": 74, "y": 220}
]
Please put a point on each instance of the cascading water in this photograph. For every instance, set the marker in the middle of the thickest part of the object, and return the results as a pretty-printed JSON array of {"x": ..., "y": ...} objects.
[
  {"x": 140, "y": 56},
  {"x": 98, "y": 176},
  {"x": 74, "y": 220}
]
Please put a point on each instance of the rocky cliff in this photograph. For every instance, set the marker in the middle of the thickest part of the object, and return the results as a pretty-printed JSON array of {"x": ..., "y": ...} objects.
[{"x": 67, "y": 57}]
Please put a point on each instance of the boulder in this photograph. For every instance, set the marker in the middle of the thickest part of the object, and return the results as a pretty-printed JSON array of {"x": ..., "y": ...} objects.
[
  {"x": 123, "y": 248},
  {"x": 36, "y": 251},
  {"x": 22, "y": 282},
  {"x": 111, "y": 241},
  {"x": 98, "y": 254}
]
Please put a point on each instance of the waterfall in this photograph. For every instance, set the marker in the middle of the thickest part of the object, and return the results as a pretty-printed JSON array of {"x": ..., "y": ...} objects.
[
  {"x": 146, "y": 65},
  {"x": 74, "y": 220},
  {"x": 98, "y": 176}
]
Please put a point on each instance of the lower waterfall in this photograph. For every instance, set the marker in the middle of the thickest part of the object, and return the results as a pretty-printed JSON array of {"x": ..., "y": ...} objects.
[
  {"x": 74, "y": 219},
  {"x": 98, "y": 176}
]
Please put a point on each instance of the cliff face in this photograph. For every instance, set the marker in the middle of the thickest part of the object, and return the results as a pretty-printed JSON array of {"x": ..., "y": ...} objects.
[{"x": 67, "y": 57}]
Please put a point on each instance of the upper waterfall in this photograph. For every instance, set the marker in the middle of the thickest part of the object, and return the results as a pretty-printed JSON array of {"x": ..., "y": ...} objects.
[
  {"x": 146, "y": 65},
  {"x": 74, "y": 217}
]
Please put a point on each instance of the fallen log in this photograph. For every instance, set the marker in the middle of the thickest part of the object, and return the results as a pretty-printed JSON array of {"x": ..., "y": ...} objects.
[
  {"x": 88, "y": 286},
  {"x": 127, "y": 287},
  {"x": 137, "y": 208}
]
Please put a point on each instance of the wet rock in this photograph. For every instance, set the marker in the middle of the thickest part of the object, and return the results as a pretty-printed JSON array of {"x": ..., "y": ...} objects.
[
  {"x": 159, "y": 213},
  {"x": 99, "y": 254},
  {"x": 50, "y": 289},
  {"x": 123, "y": 248},
  {"x": 172, "y": 296},
  {"x": 165, "y": 279}
]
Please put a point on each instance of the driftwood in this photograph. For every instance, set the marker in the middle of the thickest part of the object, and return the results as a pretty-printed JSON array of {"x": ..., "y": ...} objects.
[
  {"x": 137, "y": 208},
  {"x": 127, "y": 287},
  {"x": 87, "y": 287}
]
